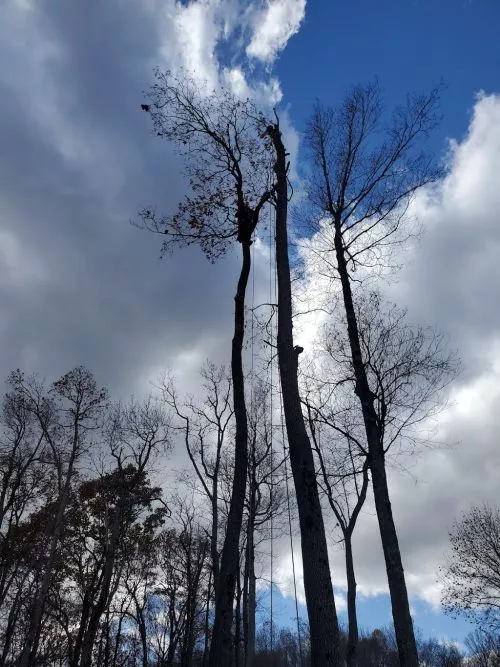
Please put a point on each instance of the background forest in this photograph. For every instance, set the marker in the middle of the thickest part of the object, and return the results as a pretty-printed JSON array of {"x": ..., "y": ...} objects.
[{"x": 287, "y": 454}]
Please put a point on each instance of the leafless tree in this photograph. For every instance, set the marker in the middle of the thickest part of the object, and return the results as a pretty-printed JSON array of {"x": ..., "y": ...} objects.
[
  {"x": 471, "y": 579},
  {"x": 484, "y": 648},
  {"x": 230, "y": 181},
  {"x": 323, "y": 621},
  {"x": 365, "y": 175},
  {"x": 344, "y": 475},
  {"x": 205, "y": 426},
  {"x": 265, "y": 502}
]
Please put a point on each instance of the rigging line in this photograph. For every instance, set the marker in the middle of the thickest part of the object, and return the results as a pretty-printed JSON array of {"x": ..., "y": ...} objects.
[
  {"x": 271, "y": 490},
  {"x": 287, "y": 490},
  {"x": 287, "y": 487},
  {"x": 252, "y": 332}
]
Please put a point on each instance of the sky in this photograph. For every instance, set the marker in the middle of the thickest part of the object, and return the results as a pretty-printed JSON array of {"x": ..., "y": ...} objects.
[{"x": 80, "y": 285}]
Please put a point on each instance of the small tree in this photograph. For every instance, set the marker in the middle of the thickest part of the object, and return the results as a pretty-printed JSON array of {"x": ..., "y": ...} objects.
[
  {"x": 484, "y": 648},
  {"x": 471, "y": 579}
]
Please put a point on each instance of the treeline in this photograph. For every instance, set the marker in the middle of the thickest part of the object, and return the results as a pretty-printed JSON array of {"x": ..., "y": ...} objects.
[{"x": 102, "y": 566}]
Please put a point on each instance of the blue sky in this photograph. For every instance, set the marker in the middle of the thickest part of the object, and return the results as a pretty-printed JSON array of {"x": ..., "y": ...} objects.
[
  {"x": 375, "y": 612},
  {"x": 409, "y": 45}
]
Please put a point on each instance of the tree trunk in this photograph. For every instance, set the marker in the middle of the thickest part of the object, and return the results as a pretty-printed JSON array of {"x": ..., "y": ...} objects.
[
  {"x": 28, "y": 655},
  {"x": 11, "y": 624},
  {"x": 249, "y": 593},
  {"x": 237, "y": 623},
  {"x": 117, "y": 641},
  {"x": 86, "y": 607},
  {"x": 323, "y": 623},
  {"x": 206, "y": 631},
  {"x": 100, "y": 605},
  {"x": 221, "y": 648},
  {"x": 352, "y": 637},
  {"x": 403, "y": 623},
  {"x": 250, "y": 647}
]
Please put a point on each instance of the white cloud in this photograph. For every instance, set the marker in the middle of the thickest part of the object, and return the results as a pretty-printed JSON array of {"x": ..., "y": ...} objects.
[{"x": 273, "y": 26}]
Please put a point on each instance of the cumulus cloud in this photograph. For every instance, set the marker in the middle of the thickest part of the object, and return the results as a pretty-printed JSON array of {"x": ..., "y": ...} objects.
[
  {"x": 273, "y": 26},
  {"x": 79, "y": 284}
]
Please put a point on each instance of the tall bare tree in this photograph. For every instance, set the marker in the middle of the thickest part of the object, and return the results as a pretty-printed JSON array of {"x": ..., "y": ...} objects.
[
  {"x": 344, "y": 481},
  {"x": 365, "y": 175},
  {"x": 230, "y": 183},
  {"x": 323, "y": 622}
]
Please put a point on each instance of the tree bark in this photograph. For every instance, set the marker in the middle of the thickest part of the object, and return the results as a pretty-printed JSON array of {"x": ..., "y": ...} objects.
[
  {"x": 249, "y": 589},
  {"x": 352, "y": 638},
  {"x": 100, "y": 605},
  {"x": 221, "y": 648},
  {"x": 403, "y": 623},
  {"x": 323, "y": 623}
]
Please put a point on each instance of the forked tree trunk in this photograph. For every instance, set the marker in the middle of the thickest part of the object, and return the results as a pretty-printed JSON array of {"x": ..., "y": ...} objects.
[
  {"x": 221, "y": 648},
  {"x": 403, "y": 623},
  {"x": 323, "y": 623}
]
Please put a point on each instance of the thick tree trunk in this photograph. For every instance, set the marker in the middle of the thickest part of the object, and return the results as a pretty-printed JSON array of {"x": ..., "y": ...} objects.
[
  {"x": 221, "y": 648},
  {"x": 403, "y": 623},
  {"x": 323, "y": 623},
  {"x": 352, "y": 637}
]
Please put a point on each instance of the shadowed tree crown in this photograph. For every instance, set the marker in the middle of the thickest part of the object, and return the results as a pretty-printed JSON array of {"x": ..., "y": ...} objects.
[{"x": 227, "y": 162}]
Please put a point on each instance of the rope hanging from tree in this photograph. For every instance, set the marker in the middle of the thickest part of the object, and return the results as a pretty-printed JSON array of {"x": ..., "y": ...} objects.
[{"x": 273, "y": 294}]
